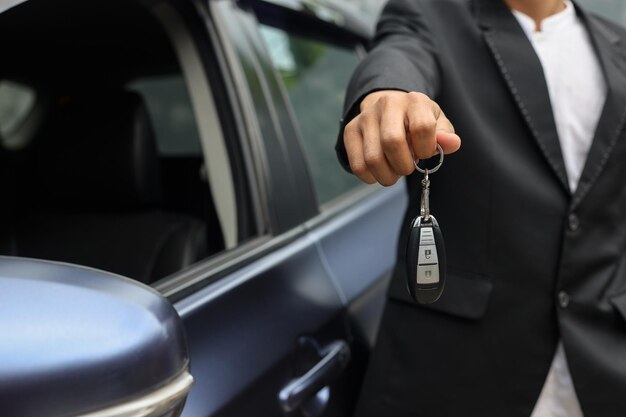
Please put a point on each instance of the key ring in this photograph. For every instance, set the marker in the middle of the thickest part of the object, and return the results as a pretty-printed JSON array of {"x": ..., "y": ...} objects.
[{"x": 427, "y": 170}]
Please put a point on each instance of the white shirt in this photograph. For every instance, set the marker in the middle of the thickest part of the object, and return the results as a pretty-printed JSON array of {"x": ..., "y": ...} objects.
[{"x": 577, "y": 92}]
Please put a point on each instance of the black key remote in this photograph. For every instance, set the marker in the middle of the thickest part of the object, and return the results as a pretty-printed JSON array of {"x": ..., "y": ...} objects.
[{"x": 425, "y": 260}]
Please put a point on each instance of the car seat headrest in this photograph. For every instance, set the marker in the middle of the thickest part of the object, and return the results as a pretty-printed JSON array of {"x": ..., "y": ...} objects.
[{"x": 98, "y": 153}]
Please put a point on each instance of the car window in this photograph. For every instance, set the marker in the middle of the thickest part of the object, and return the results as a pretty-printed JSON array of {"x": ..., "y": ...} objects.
[
  {"x": 128, "y": 170},
  {"x": 171, "y": 113},
  {"x": 315, "y": 75}
]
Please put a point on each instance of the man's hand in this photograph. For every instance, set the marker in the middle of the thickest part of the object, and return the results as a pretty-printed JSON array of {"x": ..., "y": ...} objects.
[{"x": 378, "y": 141}]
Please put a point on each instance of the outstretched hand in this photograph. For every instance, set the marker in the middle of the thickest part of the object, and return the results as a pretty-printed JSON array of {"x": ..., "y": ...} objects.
[{"x": 391, "y": 124}]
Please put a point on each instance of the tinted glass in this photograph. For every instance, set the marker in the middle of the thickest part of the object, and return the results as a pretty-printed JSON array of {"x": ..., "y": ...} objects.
[
  {"x": 315, "y": 75},
  {"x": 171, "y": 114}
]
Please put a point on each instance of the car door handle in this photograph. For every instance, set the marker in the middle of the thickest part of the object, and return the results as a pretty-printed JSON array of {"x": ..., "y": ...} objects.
[{"x": 296, "y": 393}]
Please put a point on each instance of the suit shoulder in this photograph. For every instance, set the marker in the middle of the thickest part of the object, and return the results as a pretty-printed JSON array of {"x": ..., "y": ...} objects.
[
  {"x": 618, "y": 28},
  {"x": 447, "y": 3},
  {"x": 418, "y": 4},
  {"x": 606, "y": 26}
]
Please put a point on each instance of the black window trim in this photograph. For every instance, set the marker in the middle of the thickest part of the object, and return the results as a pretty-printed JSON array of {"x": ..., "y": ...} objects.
[
  {"x": 218, "y": 267},
  {"x": 310, "y": 27}
]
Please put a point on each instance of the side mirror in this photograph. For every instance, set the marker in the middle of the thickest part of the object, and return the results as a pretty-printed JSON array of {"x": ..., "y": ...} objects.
[{"x": 75, "y": 341}]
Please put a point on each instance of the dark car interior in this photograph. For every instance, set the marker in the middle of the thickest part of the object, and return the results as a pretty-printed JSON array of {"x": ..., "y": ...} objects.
[{"x": 86, "y": 177}]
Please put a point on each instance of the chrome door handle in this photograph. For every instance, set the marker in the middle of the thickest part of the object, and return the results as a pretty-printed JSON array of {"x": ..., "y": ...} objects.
[{"x": 296, "y": 393}]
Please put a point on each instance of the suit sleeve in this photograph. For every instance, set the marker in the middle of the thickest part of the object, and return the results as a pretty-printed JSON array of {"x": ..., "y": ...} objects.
[{"x": 402, "y": 58}]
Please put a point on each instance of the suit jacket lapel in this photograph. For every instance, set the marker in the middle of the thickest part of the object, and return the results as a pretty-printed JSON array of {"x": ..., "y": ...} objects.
[
  {"x": 524, "y": 76},
  {"x": 613, "y": 116}
]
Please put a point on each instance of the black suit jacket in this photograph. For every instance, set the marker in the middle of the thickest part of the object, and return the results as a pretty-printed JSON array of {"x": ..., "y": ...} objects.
[{"x": 529, "y": 262}]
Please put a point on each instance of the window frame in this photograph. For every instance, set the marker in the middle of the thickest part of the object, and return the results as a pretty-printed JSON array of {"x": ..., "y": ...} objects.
[
  {"x": 319, "y": 25},
  {"x": 272, "y": 162},
  {"x": 209, "y": 127},
  {"x": 251, "y": 203},
  {"x": 278, "y": 158},
  {"x": 303, "y": 141},
  {"x": 224, "y": 51}
]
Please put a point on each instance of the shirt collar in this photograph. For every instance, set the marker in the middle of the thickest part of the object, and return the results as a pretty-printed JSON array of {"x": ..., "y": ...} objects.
[{"x": 550, "y": 24}]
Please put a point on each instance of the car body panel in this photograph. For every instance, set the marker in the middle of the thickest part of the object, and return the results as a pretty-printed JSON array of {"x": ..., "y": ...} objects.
[
  {"x": 244, "y": 327},
  {"x": 359, "y": 244}
]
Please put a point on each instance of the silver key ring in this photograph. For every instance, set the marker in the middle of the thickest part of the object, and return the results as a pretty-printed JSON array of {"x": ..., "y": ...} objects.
[{"x": 429, "y": 170}]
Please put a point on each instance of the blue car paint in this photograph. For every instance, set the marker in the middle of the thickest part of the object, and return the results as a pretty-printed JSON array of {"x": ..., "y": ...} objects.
[
  {"x": 79, "y": 339},
  {"x": 242, "y": 326},
  {"x": 360, "y": 246}
]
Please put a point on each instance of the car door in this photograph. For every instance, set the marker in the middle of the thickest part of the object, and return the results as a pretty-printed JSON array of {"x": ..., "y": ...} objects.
[
  {"x": 281, "y": 294},
  {"x": 308, "y": 287}
]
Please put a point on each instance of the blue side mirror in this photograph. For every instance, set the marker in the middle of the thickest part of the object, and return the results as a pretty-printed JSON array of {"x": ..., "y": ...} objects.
[{"x": 75, "y": 341}]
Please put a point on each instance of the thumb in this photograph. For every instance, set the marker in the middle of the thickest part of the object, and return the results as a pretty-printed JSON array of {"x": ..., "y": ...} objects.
[{"x": 450, "y": 142}]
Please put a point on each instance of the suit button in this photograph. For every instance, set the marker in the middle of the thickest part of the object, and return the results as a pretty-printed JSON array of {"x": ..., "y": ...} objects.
[
  {"x": 563, "y": 299},
  {"x": 573, "y": 222}
]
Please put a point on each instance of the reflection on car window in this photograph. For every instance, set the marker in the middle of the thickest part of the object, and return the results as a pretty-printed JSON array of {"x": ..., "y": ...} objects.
[
  {"x": 315, "y": 75},
  {"x": 171, "y": 114},
  {"x": 16, "y": 104}
]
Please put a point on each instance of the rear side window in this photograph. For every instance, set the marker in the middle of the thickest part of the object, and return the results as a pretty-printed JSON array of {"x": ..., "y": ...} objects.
[{"x": 315, "y": 75}]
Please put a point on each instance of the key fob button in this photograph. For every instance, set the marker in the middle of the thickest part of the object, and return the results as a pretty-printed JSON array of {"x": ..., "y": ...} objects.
[
  {"x": 428, "y": 274},
  {"x": 427, "y": 255},
  {"x": 427, "y": 236}
]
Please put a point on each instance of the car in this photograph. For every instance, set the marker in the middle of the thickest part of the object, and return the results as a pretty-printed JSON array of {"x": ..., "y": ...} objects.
[{"x": 177, "y": 234}]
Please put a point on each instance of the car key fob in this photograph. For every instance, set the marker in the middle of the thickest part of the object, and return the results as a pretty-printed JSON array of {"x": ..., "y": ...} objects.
[
  {"x": 425, "y": 251},
  {"x": 426, "y": 260}
]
